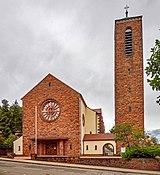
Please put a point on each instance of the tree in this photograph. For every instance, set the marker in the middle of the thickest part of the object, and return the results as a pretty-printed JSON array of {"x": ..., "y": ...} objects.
[
  {"x": 127, "y": 134},
  {"x": 153, "y": 68},
  {"x": 5, "y": 119},
  {"x": 16, "y": 115},
  {"x": 9, "y": 141},
  {"x": 138, "y": 144},
  {"x": 10, "y": 120},
  {"x": 1, "y": 140}
]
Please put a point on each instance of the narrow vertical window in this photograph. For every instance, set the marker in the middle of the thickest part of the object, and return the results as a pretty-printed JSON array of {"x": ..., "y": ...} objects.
[
  {"x": 86, "y": 147},
  {"x": 95, "y": 147},
  {"x": 129, "y": 89},
  {"x": 129, "y": 109},
  {"x": 19, "y": 148},
  {"x": 128, "y": 42},
  {"x": 70, "y": 146},
  {"x": 83, "y": 120},
  {"x": 90, "y": 132},
  {"x": 129, "y": 71}
]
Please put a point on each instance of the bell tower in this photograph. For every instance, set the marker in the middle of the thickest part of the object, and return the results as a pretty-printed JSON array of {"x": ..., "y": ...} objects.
[{"x": 129, "y": 90}]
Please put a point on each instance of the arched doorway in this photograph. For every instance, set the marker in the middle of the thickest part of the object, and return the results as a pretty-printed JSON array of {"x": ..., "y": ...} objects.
[{"x": 108, "y": 149}]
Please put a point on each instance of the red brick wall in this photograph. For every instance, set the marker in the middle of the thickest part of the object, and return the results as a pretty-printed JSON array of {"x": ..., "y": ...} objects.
[
  {"x": 101, "y": 124},
  {"x": 66, "y": 125},
  {"x": 139, "y": 164},
  {"x": 123, "y": 80}
]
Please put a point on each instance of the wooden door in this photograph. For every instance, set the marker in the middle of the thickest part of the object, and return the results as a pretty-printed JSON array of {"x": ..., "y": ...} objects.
[{"x": 51, "y": 148}]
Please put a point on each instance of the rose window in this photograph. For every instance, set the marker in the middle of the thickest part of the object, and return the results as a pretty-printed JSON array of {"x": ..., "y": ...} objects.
[{"x": 50, "y": 110}]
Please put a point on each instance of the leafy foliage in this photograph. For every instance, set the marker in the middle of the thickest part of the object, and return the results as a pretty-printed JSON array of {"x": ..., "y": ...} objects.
[
  {"x": 127, "y": 134},
  {"x": 16, "y": 115},
  {"x": 141, "y": 152},
  {"x": 10, "y": 139},
  {"x": 5, "y": 119},
  {"x": 1, "y": 140},
  {"x": 153, "y": 68},
  {"x": 10, "y": 121},
  {"x": 138, "y": 144}
]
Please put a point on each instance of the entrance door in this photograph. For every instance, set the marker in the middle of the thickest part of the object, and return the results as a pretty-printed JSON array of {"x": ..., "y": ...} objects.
[{"x": 51, "y": 147}]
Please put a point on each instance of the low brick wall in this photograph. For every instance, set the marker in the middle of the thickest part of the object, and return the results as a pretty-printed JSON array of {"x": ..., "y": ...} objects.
[
  {"x": 4, "y": 151},
  {"x": 140, "y": 164}
]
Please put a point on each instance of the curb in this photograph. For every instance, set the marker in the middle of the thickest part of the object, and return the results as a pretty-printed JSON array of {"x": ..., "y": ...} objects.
[{"x": 82, "y": 166}]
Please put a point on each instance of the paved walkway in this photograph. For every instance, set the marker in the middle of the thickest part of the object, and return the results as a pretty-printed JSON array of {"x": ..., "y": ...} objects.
[{"x": 28, "y": 160}]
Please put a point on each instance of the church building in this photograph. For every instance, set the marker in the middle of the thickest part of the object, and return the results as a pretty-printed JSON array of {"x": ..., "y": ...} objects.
[{"x": 57, "y": 120}]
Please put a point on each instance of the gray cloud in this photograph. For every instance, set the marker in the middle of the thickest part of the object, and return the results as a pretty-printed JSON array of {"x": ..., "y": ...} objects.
[{"x": 73, "y": 40}]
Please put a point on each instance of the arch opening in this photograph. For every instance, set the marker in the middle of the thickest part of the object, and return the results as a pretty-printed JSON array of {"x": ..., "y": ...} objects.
[{"x": 108, "y": 149}]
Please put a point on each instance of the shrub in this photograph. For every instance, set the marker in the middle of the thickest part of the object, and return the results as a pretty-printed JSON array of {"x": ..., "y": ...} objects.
[
  {"x": 142, "y": 152},
  {"x": 9, "y": 140}
]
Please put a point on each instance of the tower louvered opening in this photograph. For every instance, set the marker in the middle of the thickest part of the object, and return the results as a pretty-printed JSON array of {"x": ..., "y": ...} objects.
[{"x": 128, "y": 42}]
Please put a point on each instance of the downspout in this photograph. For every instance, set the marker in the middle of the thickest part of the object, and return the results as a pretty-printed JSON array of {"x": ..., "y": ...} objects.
[{"x": 36, "y": 130}]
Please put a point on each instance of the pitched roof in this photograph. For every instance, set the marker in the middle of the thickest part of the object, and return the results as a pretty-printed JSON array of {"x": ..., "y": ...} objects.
[
  {"x": 50, "y": 75},
  {"x": 99, "y": 137}
]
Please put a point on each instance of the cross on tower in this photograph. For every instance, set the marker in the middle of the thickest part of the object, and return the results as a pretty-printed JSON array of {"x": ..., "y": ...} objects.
[{"x": 126, "y": 8}]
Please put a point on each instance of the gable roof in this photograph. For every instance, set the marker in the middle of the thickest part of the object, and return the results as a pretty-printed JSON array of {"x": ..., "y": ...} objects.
[
  {"x": 50, "y": 75},
  {"x": 99, "y": 137}
]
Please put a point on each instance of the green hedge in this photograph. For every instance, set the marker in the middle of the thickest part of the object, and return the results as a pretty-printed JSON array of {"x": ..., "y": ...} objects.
[{"x": 141, "y": 152}]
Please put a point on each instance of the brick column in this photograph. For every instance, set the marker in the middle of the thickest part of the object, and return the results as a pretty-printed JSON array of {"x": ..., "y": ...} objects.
[
  {"x": 61, "y": 147},
  {"x": 40, "y": 147}
]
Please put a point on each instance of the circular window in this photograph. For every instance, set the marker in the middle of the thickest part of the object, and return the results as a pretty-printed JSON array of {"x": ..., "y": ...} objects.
[{"x": 50, "y": 110}]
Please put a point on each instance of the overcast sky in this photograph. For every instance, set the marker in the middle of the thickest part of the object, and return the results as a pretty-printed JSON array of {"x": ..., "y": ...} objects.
[{"x": 74, "y": 41}]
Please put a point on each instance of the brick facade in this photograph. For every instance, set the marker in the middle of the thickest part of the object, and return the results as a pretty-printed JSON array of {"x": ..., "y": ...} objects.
[
  {"x": 56, "y": 120},
  {"x": 129, "y": 90},
  {"x": 137, "y": 164},
  {"x": 65, "y": 130}
]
